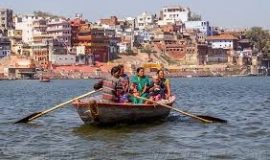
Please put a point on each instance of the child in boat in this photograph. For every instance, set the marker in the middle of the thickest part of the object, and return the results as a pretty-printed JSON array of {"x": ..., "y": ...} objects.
[
  {"x": 155, "y": 90},
  {"x": 124, "y": 85},
  {"x": 133, "y": 90}
]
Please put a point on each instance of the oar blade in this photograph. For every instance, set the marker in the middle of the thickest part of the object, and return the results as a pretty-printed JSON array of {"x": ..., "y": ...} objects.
[
  {"x": 213, "y": 119},
  {"x": 27, "y": 119}
]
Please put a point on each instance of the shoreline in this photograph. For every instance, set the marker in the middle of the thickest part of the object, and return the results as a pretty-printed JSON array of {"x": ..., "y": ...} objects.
[{"x": 168, "y": 76}]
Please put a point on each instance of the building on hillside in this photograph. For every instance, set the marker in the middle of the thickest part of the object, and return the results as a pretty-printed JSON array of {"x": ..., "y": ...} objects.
[
  {"x": 166, "y": 37},
  {"x": 112, "y": 41},
  {"x": 223, "y": 41},
  {"x": 60, "y": 29},
  {"x": 176, "y": 28},
  {"x": 191, "y": 55},
  {"x": 142, "y": 36},
  {"x": 218, "y": 56},
  {"x": 76, "y": 25},
  {"x": 201, "y": 38},
  {"x": 112, "y": 21},
  {"x": 5, "y": 47},
  {"x": 145, "y": 21},
  {"x": 94, "y": 40},
  {"x": 123, "y": 47},
  {"x": 33, "y": 29},
  {"x": 175, "y": 51},
  {"x": 202, "y": 51},
  {"x": 6, "y": 19},
  {"x": 130, "y": 22},
  {"x": 82, "y": 57},
  {"x": 40, "y": 54},
  {"x": 243, "y": 57},
  {"x": 201, "y": 26},
  {"x": 63, "y": 59},
  {"x": 15, "y": 37},
  {"x": 173, "y": 15},
  {"x": 20, "y": 68}
]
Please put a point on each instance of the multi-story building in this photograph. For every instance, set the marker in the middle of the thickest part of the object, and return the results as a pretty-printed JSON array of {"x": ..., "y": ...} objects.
[
  {"x": 59, "y": 29},
  {"x": 173, "y": 14},
  {"x": 202, "y": 26},
  {"x": 94, "y": 39},
  {"x": 33, "y": 29},
  {"x": 223, "y": 41},
  {"x": 40, "y": 53},
  {"x": 5, "y": 49},
  {"x": 112, "y": 21},
  {"x": 145, "y": 20},
  {"x": 76, "y": 25},
  {"x": 6, "y": 21},
  {"x": 15, "y": 37}
]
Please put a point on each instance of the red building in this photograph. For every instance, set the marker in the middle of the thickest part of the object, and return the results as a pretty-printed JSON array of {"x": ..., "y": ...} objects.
[{"x": 95, "y": 42}]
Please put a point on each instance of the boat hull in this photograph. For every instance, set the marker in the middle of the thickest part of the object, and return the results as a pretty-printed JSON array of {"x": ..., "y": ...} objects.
[{"x": 112, "y": 113}]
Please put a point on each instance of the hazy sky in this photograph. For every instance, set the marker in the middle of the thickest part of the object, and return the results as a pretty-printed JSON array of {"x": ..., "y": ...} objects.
[{"x": 224, "y": 13}]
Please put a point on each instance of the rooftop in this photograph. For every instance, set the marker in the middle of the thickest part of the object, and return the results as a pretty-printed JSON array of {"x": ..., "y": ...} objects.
[{"x": 222, "y": 37}]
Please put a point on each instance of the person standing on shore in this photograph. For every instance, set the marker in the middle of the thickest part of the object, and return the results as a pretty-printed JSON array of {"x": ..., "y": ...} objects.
[{"x": 166, "y": 83}]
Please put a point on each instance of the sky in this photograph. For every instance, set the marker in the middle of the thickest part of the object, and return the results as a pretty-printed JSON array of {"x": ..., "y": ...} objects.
[{"x": 223, "y": 13}]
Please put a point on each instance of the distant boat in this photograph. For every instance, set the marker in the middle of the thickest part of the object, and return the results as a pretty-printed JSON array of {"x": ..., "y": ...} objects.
[{"x": 44, "y": 79}]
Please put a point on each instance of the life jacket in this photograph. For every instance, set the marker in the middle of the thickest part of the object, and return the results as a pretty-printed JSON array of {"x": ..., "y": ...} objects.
[{"x": 110, "y": 92}]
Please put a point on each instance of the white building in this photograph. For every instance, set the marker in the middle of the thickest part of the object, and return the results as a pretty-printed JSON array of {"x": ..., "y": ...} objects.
[
  {"x": 123, "y": 47},
  {"x": 223, "y": 41},
  {"x": 144, "y": 21},
  {"x": 63, "y": 59},
  {"x": 173, "y": 14},
  {"x": 202, "y": 26},
  {"x": 59, "y": 29},
  {"x": 143, "y": 36},
  {"x": 33, "y": 29}
]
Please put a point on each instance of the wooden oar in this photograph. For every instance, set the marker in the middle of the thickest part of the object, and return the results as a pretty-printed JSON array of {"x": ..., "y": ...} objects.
[
  {"x": 39, "y": 114},
  {"x": 206, "y": 119}
]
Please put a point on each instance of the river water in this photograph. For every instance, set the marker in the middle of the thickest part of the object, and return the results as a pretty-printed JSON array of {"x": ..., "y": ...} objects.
[{"x": 243, "y": 101}]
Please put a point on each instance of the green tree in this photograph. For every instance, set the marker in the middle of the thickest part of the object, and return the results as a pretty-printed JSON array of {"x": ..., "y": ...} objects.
[
  {"x": 194, "y": 17},
  {"x": 260, "y": 39},
  {"x": 45, "y": 14}
]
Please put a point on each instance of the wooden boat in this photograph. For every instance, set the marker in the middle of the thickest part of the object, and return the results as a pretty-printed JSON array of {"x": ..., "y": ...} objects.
[
  {"x": 44, "y": 79},
  {"x": 100, "y": 113}
]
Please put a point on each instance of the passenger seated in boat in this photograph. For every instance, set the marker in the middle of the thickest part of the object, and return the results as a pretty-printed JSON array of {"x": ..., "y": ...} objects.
[
  {"x": 139, "y": 86},
  {"x": 164, "y": 83},
  {"x": 124, "y": 84},
  {"x": 156, "y": 90},
  {"x": 111, "y": 88},
  {"x": 133, "y": 90}
]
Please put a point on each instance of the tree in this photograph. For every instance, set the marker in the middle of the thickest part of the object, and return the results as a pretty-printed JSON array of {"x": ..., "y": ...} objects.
[
  {"x": 45, "y": 14},
  {"x": 260, "y": 39},
  {"x": 194, "y": 17}
]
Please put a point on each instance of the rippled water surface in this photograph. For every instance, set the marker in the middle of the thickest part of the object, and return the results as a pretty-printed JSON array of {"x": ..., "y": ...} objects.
[{"x": 243, "y": 101}]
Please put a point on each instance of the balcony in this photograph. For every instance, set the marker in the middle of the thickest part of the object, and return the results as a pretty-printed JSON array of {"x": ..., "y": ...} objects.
[
  {"x": 84, "y": 37},
  {"x": 54, "y": 29},
  {"x": 39, "y": 26}
]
